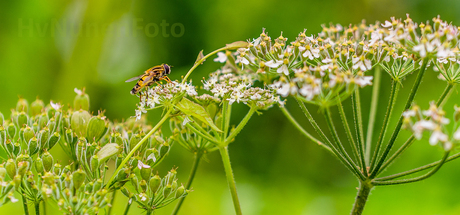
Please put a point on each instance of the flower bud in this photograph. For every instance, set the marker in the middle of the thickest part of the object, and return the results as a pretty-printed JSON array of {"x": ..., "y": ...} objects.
[
  {"x": 97, "y": 185},
  {"x": 43, "y": 120},
  {"x": 94, "y": 162},
  {"x": 21, "y": 119},
  {"x": 10, "y": 167},
  {"x": 44, "y": 136},
  {"x": 2, "y": 173},
  {"x": 16, "y": 148},
  {"x": 16, "y": 181},
  {"x": 97, "y": 127},
  {"x": 53, "y": 140},
  {"x": 145, "y": 173},
  {"x": 47, "y": 161},
  {"x": 81, "y": 101},
  {"x": 155, "y": 183},
  {"x": 28, "y": 134},
  {"x": 135, "y": 139},
  {"x": 167, "y": 190},
  {"x": 79, "y": 122},
  {"x": 38, "y": 163},
  {"x": 143, "y": 185},
  {"x": 57, "y": 167},
  {"x": 33, "y": 146},
  {"x": 23, "y": 167},
  {"x": 179, "y": 192},
  {"x": 9, "y": 146},
  {"x": 36, "y": 107},
  {"x": 164, "y": 149},
  {"x": 22, "y": 105},
  {"x": 107, "y": 151},
  {"x": 89, "y": 187},
  {"x": 11, "y": 130},
  {"x": 171, "y": 176},
  {"x": 78, "y": 177},
  {"x": 135, "y": 182},
  {"x": 69, "y": 138}
]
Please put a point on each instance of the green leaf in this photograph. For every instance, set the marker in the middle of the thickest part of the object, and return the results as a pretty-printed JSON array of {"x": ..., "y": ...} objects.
[
  {"x": 193, "y": 109},
  {"x": 107, "y": 151}
]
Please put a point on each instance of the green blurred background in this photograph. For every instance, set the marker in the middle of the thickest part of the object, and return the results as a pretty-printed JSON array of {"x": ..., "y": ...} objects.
[{"x": 50, "y": 47}]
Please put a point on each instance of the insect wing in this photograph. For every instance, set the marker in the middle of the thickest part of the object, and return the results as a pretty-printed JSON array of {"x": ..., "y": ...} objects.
[{"x": 134, "y": 78}]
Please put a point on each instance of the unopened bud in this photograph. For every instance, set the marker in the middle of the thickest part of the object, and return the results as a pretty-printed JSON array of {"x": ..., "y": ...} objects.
[
  {"x": 179, "y": 192},
  {"x": 53, "y": 140},
  {"x": 10, "y": 167},
  {"x": 28, "y": 134},
  {"x": 78, "y": 177},
  {"x": 36, "y": 107},
  {"x": 97, "y": 127},
  {"x": 167, "y": 190},
  {"x": 143, "y": 185},
  {"x": 33, "y": 146},
  {"x": 155, "y": 183},
  {"x": 23, "y": 167},
  {"x": 145, "y": 173},
  {"x": 81, "y": 101},
  {"x": 22, "y": 105},
  {"x": 135, "y": 139},
  {"x": 79, "y": 122},
  {"x": 164, "y": 149},
  {"x": 38, "y": 163},
  {"x": 48, "y": 161},
  {"x": 2, "y": 173},
  {"x": 94, "y": 163},
  {"x": 21, "y": 119}
]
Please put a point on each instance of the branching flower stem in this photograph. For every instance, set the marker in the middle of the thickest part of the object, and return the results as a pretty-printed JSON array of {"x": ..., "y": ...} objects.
[
  {"x": 351, "y": 140},
  {"x": 444, "y": 96},
  {"x": 372, "y": 113},
  {"x": 357, "y": 116},
  {"x": 400, "y": 121},
  {"x": 230, "y": 179},
  {"x": 365, "y": 188}
]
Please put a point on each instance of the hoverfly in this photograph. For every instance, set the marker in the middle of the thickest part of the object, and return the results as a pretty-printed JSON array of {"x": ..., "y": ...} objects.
[{"x": 152, "y": 75}]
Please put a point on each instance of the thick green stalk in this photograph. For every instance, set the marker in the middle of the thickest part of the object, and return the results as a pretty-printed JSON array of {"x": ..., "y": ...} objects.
[
  {"x": 386, "y": 121},
  {"x": 372, "y": 114},
  {"x": 154, "y": 129},
  {"x": 399, "y": 125},
  {"x": 44, "y": 207},
  {"x": 24, "y": 204},
  {"x": 365, "y": 188},
  {"x": 230, "y": 179},
  {"x": 405, "y": 181},
  {"x": 37, "y": 208},
  {"x": 299, "y": 127},
  {"x": 196, "y": 162}
]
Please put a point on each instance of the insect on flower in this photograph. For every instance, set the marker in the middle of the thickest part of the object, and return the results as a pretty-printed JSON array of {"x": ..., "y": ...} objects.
[{"x": 152, "y": 75}]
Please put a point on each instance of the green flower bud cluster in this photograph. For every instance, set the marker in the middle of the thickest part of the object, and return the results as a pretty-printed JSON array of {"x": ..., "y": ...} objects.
[{"x": 153, "y": 192}]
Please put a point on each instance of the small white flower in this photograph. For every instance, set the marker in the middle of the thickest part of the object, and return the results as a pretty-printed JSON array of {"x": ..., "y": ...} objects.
[
  {"x": 221, "y": 57},
  {"x": 311, "y": 53},
  {"x": 12, "y": 199},
  {"x": 141, "y": 165},
  {"x": 273, "y": 64},
  {"x": 186, "y": 120},
  {"x": 457, "y": 134},
  {"x": 152, "y": 157},
  {"x": 77, "y": 91},
  {"x": 362, "y": 63},
  {"x": 243, "y": 60},
  {"x": 437, "y": 136},
  {"x": 283, "y": 69},
  {"x": 55, "y": 106}
]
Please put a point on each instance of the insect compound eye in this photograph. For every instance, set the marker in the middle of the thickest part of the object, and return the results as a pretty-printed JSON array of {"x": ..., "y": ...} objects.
[{"x": 167, "y": 69}]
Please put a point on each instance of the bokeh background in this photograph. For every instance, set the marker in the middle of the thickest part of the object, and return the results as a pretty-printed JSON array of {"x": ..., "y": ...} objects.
[{"x": 47, "y": 48}]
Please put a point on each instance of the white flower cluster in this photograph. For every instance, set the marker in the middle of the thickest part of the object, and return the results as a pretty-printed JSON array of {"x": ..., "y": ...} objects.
[
  {"x": 162, "y": 95},
  {"x": 337, "y": 59},
  {"x": 433, "y": 121},
  {"x": 227, "y": 84}
]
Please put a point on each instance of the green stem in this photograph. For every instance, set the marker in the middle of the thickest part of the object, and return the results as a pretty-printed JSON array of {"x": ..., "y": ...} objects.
[
  {"x": 405, "y": 181},
  {"x": 386, "y": 121},
  {"x": 128, "y": 205},
  {"x": 196, "y": 162},
  {"x": 24, "y": 204},
  {"x": 111, "y": 202},
  {"x": 299, "y": 127},
  {"x": 44, "y": 207},
  {"x": 365, "y": 188},
  {"x": 399, "y": 125},
  {"x": 323, "y": 136},
  {"x": 351, "y": 140},
  {"x": 200, "y": 61},
  {"x": 230, "y": 179},
  {"x": 37, "y": 208},
  {"x": 447, "y": 91},
  {"x": 372, "y": 113},
  {"x": 419, "y": 169},
  {"x": 357, "y": 116},
  {"x": 336, "y": 139},
  {"x": 240, "y": 126},
  {"x": 154, "y": 129}
]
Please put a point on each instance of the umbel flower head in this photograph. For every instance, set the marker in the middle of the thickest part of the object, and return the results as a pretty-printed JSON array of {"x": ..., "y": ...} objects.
[{"x": 434, "y": 122}]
